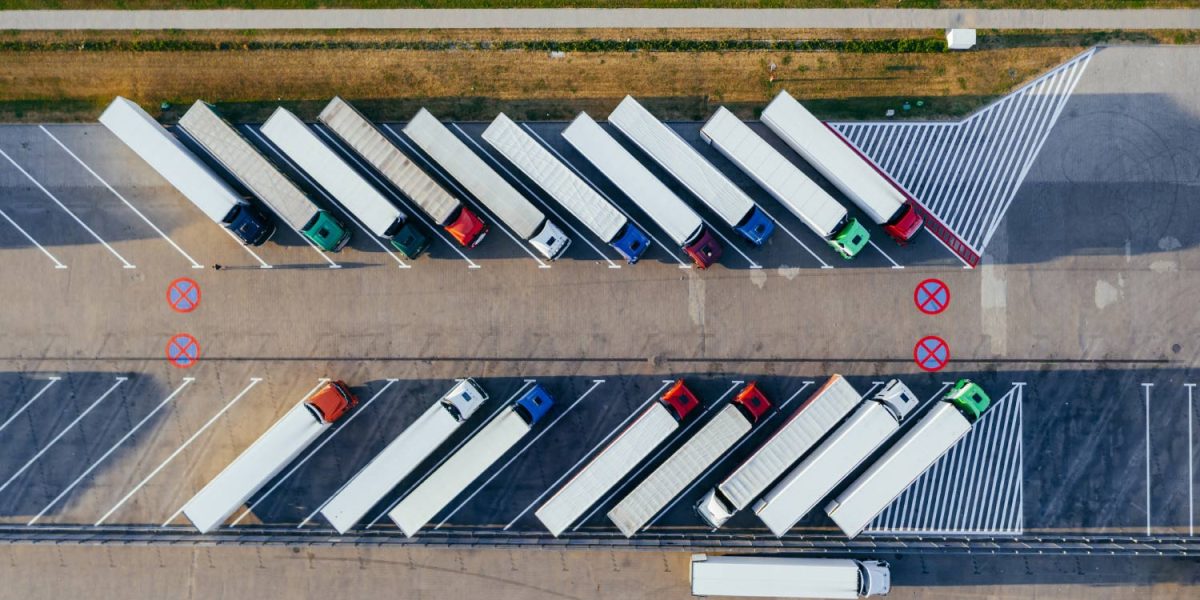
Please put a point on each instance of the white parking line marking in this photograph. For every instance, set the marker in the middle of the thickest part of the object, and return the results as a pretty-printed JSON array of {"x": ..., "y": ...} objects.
[
  {"x": 332, "y": 263},
  {"x": 431, "y": 166},
  {"x": 595, "y": 384},
  {"x": 126, "y": 264},
  {"x": 589, "y": 453},
  {"x": 57, "y": 264},
  {"x": 28, "y": 403},
  {"x": 64, "y": 431},
  {"x": 507, "y": 403},
  {"x": 253, "y": 382},
  {"x": 397, "y": 198},
  {"x": 653, "y": 459},
  {"x": 195, "y": 265},
  {"x": 186, "y": 381},
  {"x": 312, "y": 452},
  {"x": 895, "y": 265},
  {"x": 1191, "y": 474},
  {"x": 534, "y": 196},
  {"x": 717, "y": 464},
  {"x": 824, "y": 265},
  {"x": 574, "y": 169},
  {"x": 1146, "y": 387}
]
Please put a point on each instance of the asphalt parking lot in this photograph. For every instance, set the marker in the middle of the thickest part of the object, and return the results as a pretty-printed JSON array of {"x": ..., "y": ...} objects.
[{"x": 1080, "y": 314}]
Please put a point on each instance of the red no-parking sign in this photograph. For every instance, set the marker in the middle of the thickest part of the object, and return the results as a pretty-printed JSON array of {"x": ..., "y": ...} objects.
[
  {"x": 183, "y": 295},
  {"x": 931, "y": 353},
  {"x": 183, "y": 350},
  {"x": 932, "y": 296}
]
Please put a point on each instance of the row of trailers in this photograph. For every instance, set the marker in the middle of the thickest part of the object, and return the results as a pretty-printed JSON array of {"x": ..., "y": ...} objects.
[
  {"x": 877, "y": 195},
  {"x": 823, "y": 444}
]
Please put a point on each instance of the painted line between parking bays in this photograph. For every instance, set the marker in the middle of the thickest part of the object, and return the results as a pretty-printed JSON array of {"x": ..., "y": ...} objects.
[
  {"x": 28, "y": 403},
  {"x": 57, "y": 264}
]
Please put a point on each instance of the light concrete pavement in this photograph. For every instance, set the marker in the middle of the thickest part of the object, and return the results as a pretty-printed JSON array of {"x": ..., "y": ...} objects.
[{"x": 599, "y": 18}]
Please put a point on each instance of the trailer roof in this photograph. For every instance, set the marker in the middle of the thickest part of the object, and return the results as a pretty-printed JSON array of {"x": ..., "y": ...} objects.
[
  {"x": 245, "y": 162},
  {"x": 682, "y": 161},
  {"x": 787, "y": 183},
  {"x": 833, "y": 157},
  {"x": 666, "y": 209},
  {"x": 294, "y": 138},
  {"x": 469, "y": 170},
  {"x": 551, "y": 175},
  {"x": 370, "y": 143},
  {"x": 170, "y": 158}
]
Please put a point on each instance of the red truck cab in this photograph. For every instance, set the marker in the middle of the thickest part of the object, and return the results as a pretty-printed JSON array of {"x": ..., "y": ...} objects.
[
  {"x": 705, "y": 250},
  {"x": 332, "y": 401},
  {"x": 753, "y": 401},
  {"x": 905, "y": 225},
  {"x": 680, "y": 400},
  {"x": 467, "y": 228}
]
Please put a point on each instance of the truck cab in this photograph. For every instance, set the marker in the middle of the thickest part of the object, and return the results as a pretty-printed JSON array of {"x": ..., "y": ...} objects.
[
  {"x": 631, "y": 242},
  {"x": 849, "y": 238},
  {"x": 756, "y": 227},
  {"x": 875, "y": 578},
  {"x": 250, "y": 225},
  {"x": 897, "y": 398},
  {"x": 534, "y": 404},
  {"x": 713, "y": 508},
  {"x": 464, "y": 399},
  {"x": 409, "y": 240},
  {"x": 753, "y": 402},
  {"x": 905, "y": 224},
  {"x": 705, "y": 250},
  {"x": 332, "y": 401},
  {"x": 467, "y": 228},
  {"x": 328, "y": 233},
  {"x": 969, "y": 399},
  {"x": 550, "y": 240},
  {"x": 680, "y": 399}
]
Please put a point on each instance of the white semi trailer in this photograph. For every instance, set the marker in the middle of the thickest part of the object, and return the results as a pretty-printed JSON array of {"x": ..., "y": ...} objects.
[
  {"x": 815, "y": 418},
  {"x": 525, "y": 220},
  {"x": 402, "y": 456},
  {"x": 168, "y": 156},
  {"x": 782, "y": 577},
  {"x": 300, "y": 143},
  {"x": 470, "y": 461},
  {"x": 920, "y": 447},
  {"x": 595, "y": 212},
  {"x": 617, "y": 459},
  {"x": 786, "y": 183},
  {"x": 699, "y": 176},
  {"x": 267, "y": 456},
  {"x": 364, "y": 138},
  {"x": 689, "y": 461},
  {"x": 872, "y": 424},
  {"x": 677, "y": 219},
  {"x": 262, "y": 178},
  {"x": 862, "y": 182}
]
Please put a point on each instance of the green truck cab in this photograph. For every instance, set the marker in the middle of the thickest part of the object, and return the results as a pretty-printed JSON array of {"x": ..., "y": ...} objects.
[
  {"x": 410, "y": 241},
  {"x": 850, "y": 238},
  {"x": 328, "y": 233},
  {"x": 969, "y": 399}
]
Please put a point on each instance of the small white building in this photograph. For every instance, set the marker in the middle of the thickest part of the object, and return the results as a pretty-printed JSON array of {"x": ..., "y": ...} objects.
[{"x": 960, "y": 39}]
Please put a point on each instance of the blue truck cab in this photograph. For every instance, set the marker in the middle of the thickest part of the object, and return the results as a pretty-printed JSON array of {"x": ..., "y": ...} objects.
[
  {"x": 249, "y": 225},
  {"x": 756, "y": 227},
  {"x": 534, "y": 404},
  {"x": 631, "y": 242}
]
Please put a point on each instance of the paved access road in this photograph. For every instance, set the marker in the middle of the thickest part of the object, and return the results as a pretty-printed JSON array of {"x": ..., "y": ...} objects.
[{"x": 636, "y": 18}]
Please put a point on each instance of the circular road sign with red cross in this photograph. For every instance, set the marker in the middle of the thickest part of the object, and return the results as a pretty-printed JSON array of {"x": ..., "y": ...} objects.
[
  {"x": 931, "y": 353},
  {"x": 183, "y": 350},
  {"x": 183, "y": 295},
  {"x": 932, "y": 296}
]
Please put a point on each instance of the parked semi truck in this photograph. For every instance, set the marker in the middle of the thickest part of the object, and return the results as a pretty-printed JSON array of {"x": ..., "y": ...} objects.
[
  {"x": 815, "y": 418},
  {"x": 596, "y": 213},
  {"x": 847, "y": 169},
  {"x": 699, "y": 176},
  {"x": 268, "y": 455},
  {"x": 525, "y": 220},
  {"x": 470, "y": 461},
  {"x": 402, "y": 456},
  {"x": 617, "y": 459},
  {"x": 873, "y": 423},
  {"x": 679, "y": 221},
  {"x": 199, "y": 184},
  {"x": 447, "y": 211},
  {"x": 689, "y": 461},
  {"x": 786, "y": 183},
  {"x": 262, "y": 178},
  {"x": 301, "y": 144},
  {"x": 782, "y": 577},
  {"x": 931, "y": 437}
]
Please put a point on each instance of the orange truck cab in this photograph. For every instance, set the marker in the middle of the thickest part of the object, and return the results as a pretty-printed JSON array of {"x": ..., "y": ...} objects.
[{"x": 331, "y": 401}]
